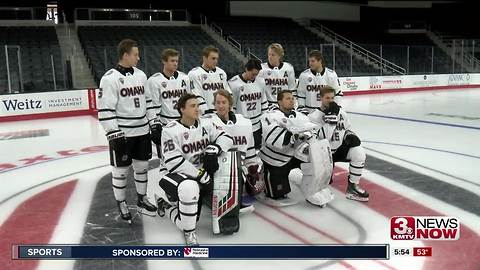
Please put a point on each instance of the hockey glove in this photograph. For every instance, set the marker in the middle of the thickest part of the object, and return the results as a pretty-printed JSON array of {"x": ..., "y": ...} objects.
[
  {"x": 333, "y": 109},
  {"x": 210, "y": 159},
  {"x": 203, "y": 177},
  {"x": 331, "y": 114},
  {"x": 351, "y": 139},
  {"x": 254, "y": 183},
  {"x": 116, "y": 140}
]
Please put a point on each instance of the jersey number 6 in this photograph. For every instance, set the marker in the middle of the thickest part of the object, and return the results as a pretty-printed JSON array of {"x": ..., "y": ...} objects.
[{"x": 136, "y": 101}]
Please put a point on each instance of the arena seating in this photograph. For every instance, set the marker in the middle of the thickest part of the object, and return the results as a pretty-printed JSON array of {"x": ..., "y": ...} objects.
[
  {"x": 101, "y": 41},
  {"x": 257, "y": 33},
  {"x": 394, "y": 46},
  {"x": 37, "y": 44}
]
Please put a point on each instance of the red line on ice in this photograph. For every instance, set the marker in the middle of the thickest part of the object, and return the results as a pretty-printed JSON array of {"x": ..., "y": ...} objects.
[
  {"x": 294, "y": 235},
  {"x": 33, "y": 222},
  {"x": 446, "y": 254}
]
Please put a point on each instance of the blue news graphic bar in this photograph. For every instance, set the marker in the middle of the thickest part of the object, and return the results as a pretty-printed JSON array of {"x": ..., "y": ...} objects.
[{"x": 245, "y": 252}]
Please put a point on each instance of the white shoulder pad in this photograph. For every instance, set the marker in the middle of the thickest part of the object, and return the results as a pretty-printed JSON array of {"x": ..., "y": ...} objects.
[
  {"x": 316, "y": 115},
  {"x": 301, "y": 116},
  {"x": 207, "y": 116},
  {"x": 193, "y": 70},
  {"x": 171, "y": 124},
  {"x": 139, "y": 71},
  {"x": 220, "y": 69},
  {"x": 275, "y": 114},
  {"x": 108, "y": 73},
  {"x": 233, "y": 79},
  {"x": 241, "y": 118},
  {"x": 288, "y": 65}
]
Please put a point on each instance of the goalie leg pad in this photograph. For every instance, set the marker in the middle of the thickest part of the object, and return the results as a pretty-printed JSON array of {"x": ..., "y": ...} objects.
[
  {"x": 321, "y": 198},
  {"x": 227, "y": 183},
  {"x": 317, "y": 174}
]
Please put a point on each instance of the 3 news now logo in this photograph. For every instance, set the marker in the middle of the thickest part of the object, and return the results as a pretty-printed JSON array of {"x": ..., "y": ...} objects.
[
  {"x": 424, "y": 228},
  {"x": 195, "y": 252}
]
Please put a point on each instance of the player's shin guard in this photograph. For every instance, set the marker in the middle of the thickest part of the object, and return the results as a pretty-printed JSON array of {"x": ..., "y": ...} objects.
[
  {"x": 140, "y": 171},
  {"x": 357, "y": 162},
  {"x": 357, "y": 156},
  {"x": 119, "y": 182},
  {"x": 188, "y": 194},
  {"x": 174, "y": 214}
]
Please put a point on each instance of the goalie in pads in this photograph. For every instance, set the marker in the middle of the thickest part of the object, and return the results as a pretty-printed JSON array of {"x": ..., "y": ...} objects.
[
  {"x": 240, "y": 128},
  {"x": 290, "y": 148},
  {"x": 190, "y": 147}
]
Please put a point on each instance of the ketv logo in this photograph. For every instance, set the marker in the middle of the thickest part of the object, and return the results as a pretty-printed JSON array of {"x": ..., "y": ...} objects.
[{"x": 424, "y": 228}]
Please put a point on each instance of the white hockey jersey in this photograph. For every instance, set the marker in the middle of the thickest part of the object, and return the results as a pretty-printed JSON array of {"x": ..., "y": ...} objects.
[
  {"x": 183, "y": 147},
  {"x": 333, "y": 133},
  {"x": 166, "y": 91},
  {"x": 249, "y": 98},
  {"x": 277, "y": 79},
  {"x": 276, "y": 148},
  {"x": 309, "y": 84},
  {"x": 204, "y": 83},
  {"x": 240, "y": 128},
  {"x": 123, "y": 102}
]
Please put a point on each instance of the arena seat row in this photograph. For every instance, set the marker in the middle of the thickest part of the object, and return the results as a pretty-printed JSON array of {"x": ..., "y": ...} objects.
[
  {"x": 257, "y": 33},
  {"x": 37, "y": 45},
  {"x": 99, "y": 43}
]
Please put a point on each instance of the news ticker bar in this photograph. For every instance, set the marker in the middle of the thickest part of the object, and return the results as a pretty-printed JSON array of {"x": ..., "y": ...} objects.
[{"x": 320, "y": 252}]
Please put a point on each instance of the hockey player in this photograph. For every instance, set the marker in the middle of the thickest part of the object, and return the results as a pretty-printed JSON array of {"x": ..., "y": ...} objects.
[
  {"x": 207, "y": 79},
  {"x": 127, "y": 115},
  {"x": 313, "y": 79},
  {"x": 167, "y": 86},
  {"x": 278, "y": 75},
  {"x": 240, "y": 129},
  {"x": 345, "y": 144},
  {"x": 249, "y": 98},
  {"x": 190, "y": 147},
  {"x": 285, "y": 132}
]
